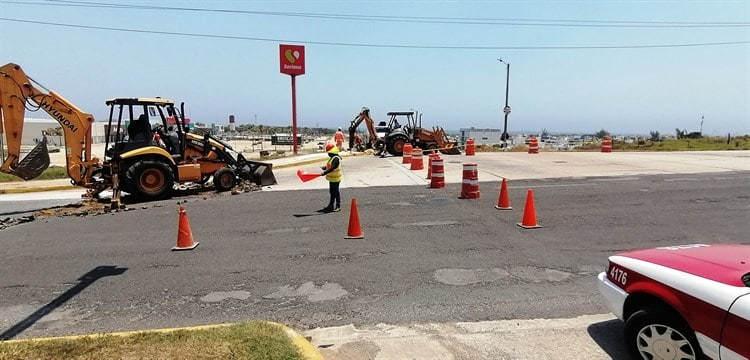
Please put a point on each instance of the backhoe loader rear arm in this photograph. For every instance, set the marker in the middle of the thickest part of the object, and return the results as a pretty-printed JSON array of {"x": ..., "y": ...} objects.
[
  {"x": 17, "y": 91},
  {"x": 364, "y": 115}
]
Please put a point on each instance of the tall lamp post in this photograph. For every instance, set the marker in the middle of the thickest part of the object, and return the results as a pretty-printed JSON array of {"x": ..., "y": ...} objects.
[{"x": 506, "y": 109}]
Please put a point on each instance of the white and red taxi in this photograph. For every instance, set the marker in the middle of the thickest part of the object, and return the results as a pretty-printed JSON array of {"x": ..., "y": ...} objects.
[{"x": 682, "y": 302}]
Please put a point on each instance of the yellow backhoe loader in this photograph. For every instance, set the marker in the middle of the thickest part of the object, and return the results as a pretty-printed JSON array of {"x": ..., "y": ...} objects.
[{"x": 146, "y": 161}]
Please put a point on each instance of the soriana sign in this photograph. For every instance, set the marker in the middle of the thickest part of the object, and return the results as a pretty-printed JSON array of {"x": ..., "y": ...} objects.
[{"x": 292, "y": 59}]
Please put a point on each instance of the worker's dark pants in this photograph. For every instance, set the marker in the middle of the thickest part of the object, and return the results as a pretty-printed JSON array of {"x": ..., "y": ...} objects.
[{"x": 333, "y": 188}]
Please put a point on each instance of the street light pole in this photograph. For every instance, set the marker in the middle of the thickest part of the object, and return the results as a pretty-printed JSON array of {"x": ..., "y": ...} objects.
[{"x": 506, "y": 109}]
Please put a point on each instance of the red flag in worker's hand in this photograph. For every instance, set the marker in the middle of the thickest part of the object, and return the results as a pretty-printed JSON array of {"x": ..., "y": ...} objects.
[{"x": 305, "y": 176}]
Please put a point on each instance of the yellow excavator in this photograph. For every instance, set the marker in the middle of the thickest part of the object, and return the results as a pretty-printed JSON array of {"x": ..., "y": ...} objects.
[{"x": 146, "y": 161}]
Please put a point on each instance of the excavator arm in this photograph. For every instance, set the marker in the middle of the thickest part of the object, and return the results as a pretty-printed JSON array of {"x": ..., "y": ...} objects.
[
  {"x": 364, "y": 115},
  {"x": 19, "y": 93}
]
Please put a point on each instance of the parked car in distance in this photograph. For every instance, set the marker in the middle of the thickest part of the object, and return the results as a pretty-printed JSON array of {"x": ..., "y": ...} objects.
[{"x": 682, "y": 302}]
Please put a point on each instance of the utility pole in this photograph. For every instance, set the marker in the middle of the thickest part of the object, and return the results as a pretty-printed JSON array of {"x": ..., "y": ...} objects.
[{"x": 506, "y": 109}]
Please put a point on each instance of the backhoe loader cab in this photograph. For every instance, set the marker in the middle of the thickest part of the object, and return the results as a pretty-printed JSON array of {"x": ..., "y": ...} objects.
[
  {"x": 399, "y": 133},
  {"x": 157, "y": 151}
]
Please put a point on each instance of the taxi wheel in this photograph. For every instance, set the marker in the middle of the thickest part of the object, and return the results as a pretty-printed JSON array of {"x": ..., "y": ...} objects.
[{"x": 655, "y": 332}]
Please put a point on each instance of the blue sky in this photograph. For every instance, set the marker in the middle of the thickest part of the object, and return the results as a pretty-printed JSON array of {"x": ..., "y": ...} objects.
[{"x": 436, "y": 68}]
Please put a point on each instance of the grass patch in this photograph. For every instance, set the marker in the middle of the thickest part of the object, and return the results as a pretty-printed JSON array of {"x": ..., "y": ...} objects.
[
  {"x": 53, "y": 172},
  {"x": 704, "y": 144},
  {"x": 249, "y": 341}
]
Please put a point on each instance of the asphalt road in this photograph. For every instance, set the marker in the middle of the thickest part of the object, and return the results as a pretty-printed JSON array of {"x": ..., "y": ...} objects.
[{"x": 427, "y": 256}]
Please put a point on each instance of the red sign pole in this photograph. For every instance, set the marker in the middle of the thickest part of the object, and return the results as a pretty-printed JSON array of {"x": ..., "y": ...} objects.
[
  {"x": 292, "y": 63},
  {"x": 294, "y": 114}
]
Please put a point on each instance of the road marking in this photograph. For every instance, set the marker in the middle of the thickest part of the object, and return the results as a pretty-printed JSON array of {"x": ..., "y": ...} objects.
[
  {"x": 17, "y": 255},
  {"x": 618, "y": 179},
  {"x": 548, "y": 186},
  {"x": 426, "y": 223}
]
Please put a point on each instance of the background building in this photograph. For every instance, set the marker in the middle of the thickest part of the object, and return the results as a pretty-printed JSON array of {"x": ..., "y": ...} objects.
[
  {"x": 33, "y": 128},
  {"x": 480, "y": 136}
]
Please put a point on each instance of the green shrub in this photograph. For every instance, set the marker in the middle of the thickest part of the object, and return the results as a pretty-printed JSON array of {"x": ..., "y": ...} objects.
[{"x": 53, "y": 172}]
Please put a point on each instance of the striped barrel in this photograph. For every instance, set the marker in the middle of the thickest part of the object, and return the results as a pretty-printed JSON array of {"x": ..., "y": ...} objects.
[
  {"x": 607, "y": 144},
  {"x": 470, "y": 182},
  {"x": 416, "y": 159},
  {"x": 533, "y": 145},
  {"x": 406, "y": 157},
  {"x": 437, "y": 180},
  {"x": 430, "y": 158},
  {"x": 470, "y": 147}
]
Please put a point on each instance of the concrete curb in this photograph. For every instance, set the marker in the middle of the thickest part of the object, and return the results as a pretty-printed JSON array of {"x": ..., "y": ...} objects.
[
  {"x": 307, "y": 350},
  {"x": 305, "y": 347},
  {"x": 312, "y": 161},
  {"x": 36, "y": 189}
]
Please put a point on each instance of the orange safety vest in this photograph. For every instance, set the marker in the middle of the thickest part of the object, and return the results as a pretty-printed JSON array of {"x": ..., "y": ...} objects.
[
  {"x": 335, "y": 175},
  {"x": 339, "y": 137}
]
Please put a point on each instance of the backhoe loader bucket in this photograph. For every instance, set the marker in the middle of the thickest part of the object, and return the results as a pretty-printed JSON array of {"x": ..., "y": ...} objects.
[
  {"x": 260, "y": 173},
  {"x": 451, "y": 149},
  {"x": 34, "y": 163}
]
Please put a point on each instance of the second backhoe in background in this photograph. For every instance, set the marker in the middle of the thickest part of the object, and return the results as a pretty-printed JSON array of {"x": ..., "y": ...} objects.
[{"x": 392, "y": 136}]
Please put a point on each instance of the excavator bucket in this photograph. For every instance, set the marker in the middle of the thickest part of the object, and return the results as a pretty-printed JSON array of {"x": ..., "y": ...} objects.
[
  {"x": 34, "y": 163},
  {"x": 260, "y": 173},
  {"x": 451, "y": 149}
]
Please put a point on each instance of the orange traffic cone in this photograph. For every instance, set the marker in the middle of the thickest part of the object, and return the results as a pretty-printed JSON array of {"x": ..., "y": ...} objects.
[
  {"x": 184, "y": 234},
  {"x": 503, "y": 202},
  {"x": 529, "y": 214},
  {"x": 355, "y": 231}
]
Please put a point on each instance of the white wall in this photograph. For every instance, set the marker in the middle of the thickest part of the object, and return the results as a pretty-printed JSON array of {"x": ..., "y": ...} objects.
[
  {"x": 481, "y": 136},
  {"x": 33, "y": 128}
]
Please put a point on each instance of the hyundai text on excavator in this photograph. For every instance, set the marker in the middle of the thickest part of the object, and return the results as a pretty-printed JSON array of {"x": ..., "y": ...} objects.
[
  {"x": 141, "y": 163},
  {"x": 393, "y": 136}
]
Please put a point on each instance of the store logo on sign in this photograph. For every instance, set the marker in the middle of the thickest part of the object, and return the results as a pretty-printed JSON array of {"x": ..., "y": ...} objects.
[
  {"x": 291, "y": 56},
  {"x": 292, "y": 59}
]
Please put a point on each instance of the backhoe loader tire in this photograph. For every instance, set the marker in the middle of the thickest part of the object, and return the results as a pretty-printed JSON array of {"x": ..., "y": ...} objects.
[
  {"x": 395, "y": 145},
  {"x": 224, "y": 179},
  {"x": 149, "y": 179},
  {"x": 429, "y": 149}
]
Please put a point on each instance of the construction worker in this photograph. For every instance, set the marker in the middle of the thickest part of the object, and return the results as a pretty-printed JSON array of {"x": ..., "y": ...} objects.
[
  {"x": 332, "y": 172},
  {"x": 358, "y": 143},
  {"x": 338, "y": 138}
]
